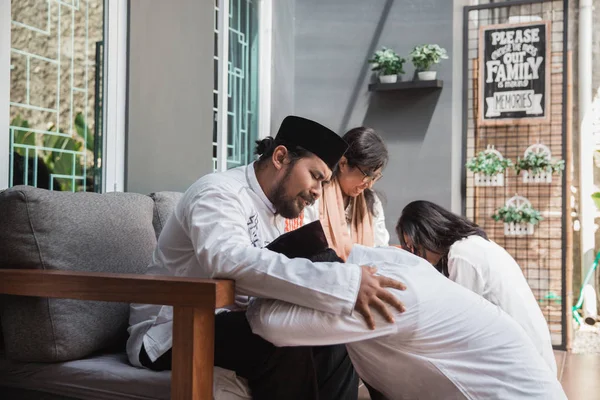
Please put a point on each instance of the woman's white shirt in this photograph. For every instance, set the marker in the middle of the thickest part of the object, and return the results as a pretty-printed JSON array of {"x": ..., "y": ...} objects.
[{"x": 490, "y": 271}]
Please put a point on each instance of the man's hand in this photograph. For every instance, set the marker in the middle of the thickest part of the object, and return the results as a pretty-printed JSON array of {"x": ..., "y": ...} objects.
[{"x": 372, "y": 293}]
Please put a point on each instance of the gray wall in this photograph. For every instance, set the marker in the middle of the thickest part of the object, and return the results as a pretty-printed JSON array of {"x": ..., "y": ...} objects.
[
  {"x": 283, "y": 66},
  {"x": 169, "y": 136},
  {"x": 333, "y": 41}
]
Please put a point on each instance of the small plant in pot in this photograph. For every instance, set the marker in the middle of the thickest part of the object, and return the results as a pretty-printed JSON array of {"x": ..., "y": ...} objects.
[
  {"x": 489, "y": 166},
  {"x": 519, "y": 216},
  {"x": 423, "y": 57},
  {"x": 537, "y": 165},
  {"x": 389, "y": 65}
]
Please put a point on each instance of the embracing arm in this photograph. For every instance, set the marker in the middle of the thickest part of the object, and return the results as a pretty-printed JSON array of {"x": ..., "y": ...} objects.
[
  {"x": 285, "y": 324},
  {"x": 217, "y": 225}
]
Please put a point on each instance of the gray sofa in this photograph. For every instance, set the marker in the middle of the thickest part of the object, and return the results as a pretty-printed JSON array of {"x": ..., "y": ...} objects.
[{"x": 70, "y": 264}]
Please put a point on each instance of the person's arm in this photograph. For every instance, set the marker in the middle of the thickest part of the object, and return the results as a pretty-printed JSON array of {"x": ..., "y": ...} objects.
[
  {"x": 217, "y": 226},
  {"x": 461, "y": 271},
  {"x": 285, "y": 324},
  {"x": 380, "y": 232}
]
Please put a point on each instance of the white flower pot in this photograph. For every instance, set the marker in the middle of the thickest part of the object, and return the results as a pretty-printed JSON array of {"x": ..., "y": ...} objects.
[
  {"x": 518, "y": 229},
  {"x": 540, "y": 177},
  {"x": 427, "y": 75},
  {"x": 388, "y": 78},
  {"x": 489, "y": 180}
]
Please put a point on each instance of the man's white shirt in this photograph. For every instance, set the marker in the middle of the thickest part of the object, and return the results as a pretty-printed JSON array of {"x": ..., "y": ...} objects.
[
  {"x": 217, "y": 231},
  {"x": 449, "y": 343}
]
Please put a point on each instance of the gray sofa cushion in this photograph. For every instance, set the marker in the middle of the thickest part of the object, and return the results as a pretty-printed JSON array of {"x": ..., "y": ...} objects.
[
  {"x": 90, "y": 232},
  {"x": 164, "y": 204},
  {"x": 106, "y": 376}
]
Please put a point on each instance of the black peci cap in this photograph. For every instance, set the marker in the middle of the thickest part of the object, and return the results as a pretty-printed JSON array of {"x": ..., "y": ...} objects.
[{"x": 314, "y": 137}]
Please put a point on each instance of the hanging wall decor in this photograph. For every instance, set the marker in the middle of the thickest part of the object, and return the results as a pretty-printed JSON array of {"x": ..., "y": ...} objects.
[
  {"x": 489, "y": 167},
  {"x": 515, "y": 73},
  {"x": 519, "y": 216},
  {"x": 537, "y": 166},
  {"x": 516, "y": 62}
]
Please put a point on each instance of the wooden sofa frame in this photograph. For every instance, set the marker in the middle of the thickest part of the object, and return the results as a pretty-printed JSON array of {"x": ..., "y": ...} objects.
[{"x": 194, "y": 302}]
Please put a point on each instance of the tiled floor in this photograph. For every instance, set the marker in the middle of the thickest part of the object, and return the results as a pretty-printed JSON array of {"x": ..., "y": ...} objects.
[{"x": 578, "y": 373}]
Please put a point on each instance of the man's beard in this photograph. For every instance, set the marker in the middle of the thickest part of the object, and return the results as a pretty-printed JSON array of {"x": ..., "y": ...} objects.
[{"x": 288, "y": 207}]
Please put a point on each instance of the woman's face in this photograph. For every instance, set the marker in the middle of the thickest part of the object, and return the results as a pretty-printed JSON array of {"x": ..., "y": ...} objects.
[
  {"x": 430, "y": 256},
  {"x": 354, "y": 180}
]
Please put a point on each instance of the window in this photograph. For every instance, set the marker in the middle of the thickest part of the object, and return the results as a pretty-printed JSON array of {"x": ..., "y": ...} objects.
[
  {"x": 56, "y": 87},
  {"x": 236, "y": 84},
  {"x": 65, "y": 120}
]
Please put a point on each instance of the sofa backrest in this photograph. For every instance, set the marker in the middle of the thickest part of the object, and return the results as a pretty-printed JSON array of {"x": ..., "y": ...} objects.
[
  {"x": 164, "y": 204},
  {"x": 92, "y": 232}
]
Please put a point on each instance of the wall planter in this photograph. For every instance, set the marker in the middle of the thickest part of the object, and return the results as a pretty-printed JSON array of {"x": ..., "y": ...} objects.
[
  {"x": 519, "y": 217},
  {"x": 537, "y": 166},
  {"x": 489, "y": 167}
]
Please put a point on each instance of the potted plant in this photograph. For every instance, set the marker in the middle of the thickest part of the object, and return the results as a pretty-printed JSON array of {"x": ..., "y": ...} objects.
[
  {"x": 388, "y": 63},
  {"x": 423, "y": 57},
  {"x": 489, "y": 166},
  {"x": 519, "y": 216},
  {"x": 537, "y": 165}
]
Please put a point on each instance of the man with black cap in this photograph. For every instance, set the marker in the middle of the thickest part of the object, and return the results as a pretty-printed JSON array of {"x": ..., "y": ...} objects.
[{"x": 219, "y": 230}]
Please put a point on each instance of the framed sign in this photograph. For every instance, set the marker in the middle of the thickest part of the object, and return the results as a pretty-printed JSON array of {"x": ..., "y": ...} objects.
[{"x": 514, "y": 73}]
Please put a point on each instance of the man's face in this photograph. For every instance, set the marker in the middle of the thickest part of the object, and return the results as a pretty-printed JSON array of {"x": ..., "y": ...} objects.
[{"x": 299, "y": 185}]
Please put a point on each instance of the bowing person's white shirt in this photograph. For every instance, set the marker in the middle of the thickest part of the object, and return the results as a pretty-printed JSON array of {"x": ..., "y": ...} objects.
[
  {"x": 218, "y": 230},
  {"x": 488, "y": 270},
  {"x": 449, "y": 343}
]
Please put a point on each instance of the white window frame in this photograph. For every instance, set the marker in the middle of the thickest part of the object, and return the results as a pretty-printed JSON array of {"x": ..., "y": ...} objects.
[
  {"x": 265, "y": 23},
  {"x": 5, "y": 27},
  {"x": 115, "y": 95},
  {"x": 115, "y": 67}
]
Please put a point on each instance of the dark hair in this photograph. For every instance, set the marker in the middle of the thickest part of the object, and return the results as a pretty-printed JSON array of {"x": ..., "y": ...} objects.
[
  {"x": 433, "y": 228},
  {"x": 265, "y": 148},
  {"x": 327, "y": 255},
  {"x": 366, "y": 149}
]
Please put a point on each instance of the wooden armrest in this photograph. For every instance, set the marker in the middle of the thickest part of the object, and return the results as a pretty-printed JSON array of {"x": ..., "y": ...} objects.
[
  {"x": 193, "y": 300},
  {"x": 127, "y": 288}
]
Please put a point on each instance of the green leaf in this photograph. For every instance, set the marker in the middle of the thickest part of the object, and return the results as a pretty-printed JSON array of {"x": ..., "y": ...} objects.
[
  {"x": 524, "y": 214},
  {"x": 423, "y": 57},
  {"x": 387, "y": 62},
  {"x": 82, "y": 129},
  {"x": 536, "y": 163},
  {"x": 488, "y": 163}
]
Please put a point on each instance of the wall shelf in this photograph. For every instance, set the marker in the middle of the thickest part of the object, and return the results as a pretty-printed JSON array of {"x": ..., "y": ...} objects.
[{"x": 406, "y": 85}]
